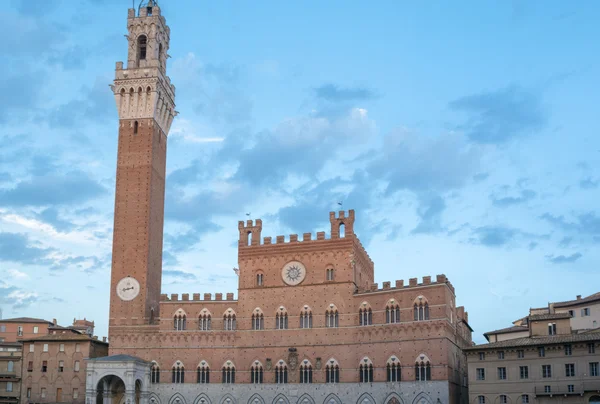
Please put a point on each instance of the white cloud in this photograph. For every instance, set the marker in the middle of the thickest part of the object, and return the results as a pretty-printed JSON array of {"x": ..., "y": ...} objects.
[{"x": 16, "y": 274}]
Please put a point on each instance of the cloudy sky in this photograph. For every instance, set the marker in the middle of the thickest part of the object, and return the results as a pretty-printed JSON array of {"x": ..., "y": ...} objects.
[{"x": 466, "y": 137}]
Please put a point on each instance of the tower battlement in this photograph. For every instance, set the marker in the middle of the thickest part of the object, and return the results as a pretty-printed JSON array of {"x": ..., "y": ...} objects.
[{"x": 342, "y": 226}]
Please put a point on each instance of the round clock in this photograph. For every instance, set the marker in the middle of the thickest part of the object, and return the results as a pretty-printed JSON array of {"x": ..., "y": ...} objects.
[
  {"x": 128, "y": 288},
  {"x": 293, "y": 273}
]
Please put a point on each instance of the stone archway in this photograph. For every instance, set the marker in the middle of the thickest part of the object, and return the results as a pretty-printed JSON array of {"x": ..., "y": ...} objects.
[
  {"x": 594, "y": 399},
  {"x": 117, "y": 379}
]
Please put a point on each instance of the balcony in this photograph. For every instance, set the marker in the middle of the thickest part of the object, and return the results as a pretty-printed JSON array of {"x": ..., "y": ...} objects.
[
  {"x": 563, "y": 389},
  {"x": 9, "y": 377}
]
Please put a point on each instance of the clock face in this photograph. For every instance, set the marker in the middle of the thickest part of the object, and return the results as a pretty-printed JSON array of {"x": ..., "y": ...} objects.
[
  {"x": 293, "y": 273},
  {"x": 128, "y": 288}
]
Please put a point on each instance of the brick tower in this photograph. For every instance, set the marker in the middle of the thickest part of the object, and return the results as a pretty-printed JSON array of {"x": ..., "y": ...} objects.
[{"x": 145, "y": 101}]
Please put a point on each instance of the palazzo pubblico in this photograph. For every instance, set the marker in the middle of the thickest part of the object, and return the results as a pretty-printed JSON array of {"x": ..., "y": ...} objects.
[{"x": 309, "y": 324}]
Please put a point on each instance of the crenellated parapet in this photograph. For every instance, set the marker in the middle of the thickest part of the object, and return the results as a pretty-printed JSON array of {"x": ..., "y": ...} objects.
[
  {"x": 207, "y": 297},
  {"x": 412, "y": 283}
]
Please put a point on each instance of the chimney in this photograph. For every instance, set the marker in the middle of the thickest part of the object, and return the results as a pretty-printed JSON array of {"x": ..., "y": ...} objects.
[
  {"x": 578, "y": 297},
  {"x": 54, "y": 321},
  {"x": 103, "y": 339}
]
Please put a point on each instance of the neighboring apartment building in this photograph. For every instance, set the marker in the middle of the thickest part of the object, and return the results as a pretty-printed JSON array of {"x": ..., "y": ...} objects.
[
  {"x": 541, "y": 359},
  {"x": 10, "y": 372},
  {"x": 15, "y": 329},
  {"x": 54, "y": 369}
]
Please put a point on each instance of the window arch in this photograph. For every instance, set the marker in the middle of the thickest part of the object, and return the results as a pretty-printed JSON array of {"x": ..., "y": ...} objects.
[
  {"x": 503, "y": 399},
  {"x": 228, "y": 373},
  {"x": 281, "y": 372},
  {"x": 204, "y": 320},
  {"x": 393, "y": 370},
  {"x": 332, "y": 371},
  {"x": 260, "y": 277},
  {"x": 305, "y": 372},
  {"x": 155, "y": 373},
  {"x": 229, "y": 320},
  {"x": 332, "y": 317},
  {"x": 142, "y": 47},
  {"x": 365, "y": 371},
  {"x": 365, "y": 314},
  {"x": 180, "y": 320},
  {"x": 306, "y": 317},
  {"x": 135, "y": 127},
  {"x": 421, "y": 309},
  {"x": 525, "y": 399},
  {"x": 250, "y": 238},
  {"x": 258, "y": 319},
  {"x": 256, "y": 373},
  {"x": 481, "y": 400},
  {"x": 422, "y": 368},
  {"x": 329, "y": 274},
  {"x": 392, "y": 312},
  {"x": 178, "y": 373},
  {"x": 203, "y": 373},
  {"x": 342, "y": 230},
  {"x": 281, "y": 319}
]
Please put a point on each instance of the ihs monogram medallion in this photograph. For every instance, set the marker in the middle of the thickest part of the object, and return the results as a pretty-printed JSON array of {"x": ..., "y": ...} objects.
[{"x": 293, "y": 273}]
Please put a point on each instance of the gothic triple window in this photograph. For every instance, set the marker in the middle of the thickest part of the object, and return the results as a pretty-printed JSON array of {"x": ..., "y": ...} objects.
[
  {"x": 392, "y": 312},
  {"x": 393, "y": 370},
  {"x": 281, "y": 373},
  {"x": 281, "y": 319},
  {"x": 422, "y": 368},
  {"x": 421, "y": 309},
  {"x": 332, "y": 371},
  {"x": 332, "y": 317},
  {"x": 155, "y": 373},
  {"x": 228, "y": 376},
  {"x": 229, "y": 320},
  {"x": 365, "y": 371},
  {"x": 305, "y": 372},
  {"x": 306, "y": 318},
  {"x": 204, "y": 321},
  {"x": 365, "y": 315},
  {"x": 258, "y": 319},
  {"x": 178, "y": 373},
  {"x": 179, "y": 321},
  {"x": 256, "y": 373},
  {"x": 203, "y": 373}
]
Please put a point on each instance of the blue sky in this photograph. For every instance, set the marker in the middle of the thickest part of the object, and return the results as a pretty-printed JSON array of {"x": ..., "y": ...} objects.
[{"x": 465, "y": 136}]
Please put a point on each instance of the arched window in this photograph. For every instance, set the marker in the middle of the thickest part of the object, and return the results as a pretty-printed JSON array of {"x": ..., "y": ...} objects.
[
  {"x": 249, "y": 238},
  {"x": 331, "y": 317},
  {"x": 155, "y": 373},
  {"x": 393, "y": 370},
  {"x": 525, "y": 399},
  {"x": 422, "y": 368},
  {"x": 142, "y": 47},
  {"x": 421, "y": 309},
  {"x": 342, "y": 231},
  {"x": 258, "y": 319},
  {"x": 281, "y": 372},
  {"x": 203, "y": 373},
  {"x": 503, "y": 399},
  {"x": 135, "y": 127},
  {"x": 306, "y": 318},
  {"x": 305, "y": 372},
  {"x": 178, "y": 373},
  {"x": 392, "y": 312},
  {"x": 256, "y": 373},
  {"x": 365, "y": 371},
  {"x": 281, "y": 319},
  {"x": 481, "y": 399},
  {"x": 365, "y": 314},
  {"x": 229, "y": 320},
  {"x": 332, "y": 371},
  {"x": 228, "y": 373},
  {"x": 329, "y": 273},
  {"x": 204, "y": 320},
  {"x": 160, "y": 55},
  {"x": 259, "y": 279},
  {"x": 179, "y": 320}
]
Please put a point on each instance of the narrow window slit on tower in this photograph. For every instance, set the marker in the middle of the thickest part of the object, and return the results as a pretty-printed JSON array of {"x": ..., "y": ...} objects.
[
  {"x": 142, "y": 46},
  {"x": 135, "y": 127}
]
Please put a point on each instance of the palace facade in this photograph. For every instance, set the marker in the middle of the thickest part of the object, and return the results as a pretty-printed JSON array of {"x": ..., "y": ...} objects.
[{"x": 308, "y": 323}]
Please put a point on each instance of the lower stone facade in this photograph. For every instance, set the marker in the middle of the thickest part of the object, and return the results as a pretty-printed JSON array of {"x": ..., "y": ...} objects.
[{"x": 435, "y": 392}]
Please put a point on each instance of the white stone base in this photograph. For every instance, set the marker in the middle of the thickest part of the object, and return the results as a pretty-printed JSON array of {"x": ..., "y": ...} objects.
[{"x": 343, "y": 393}]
